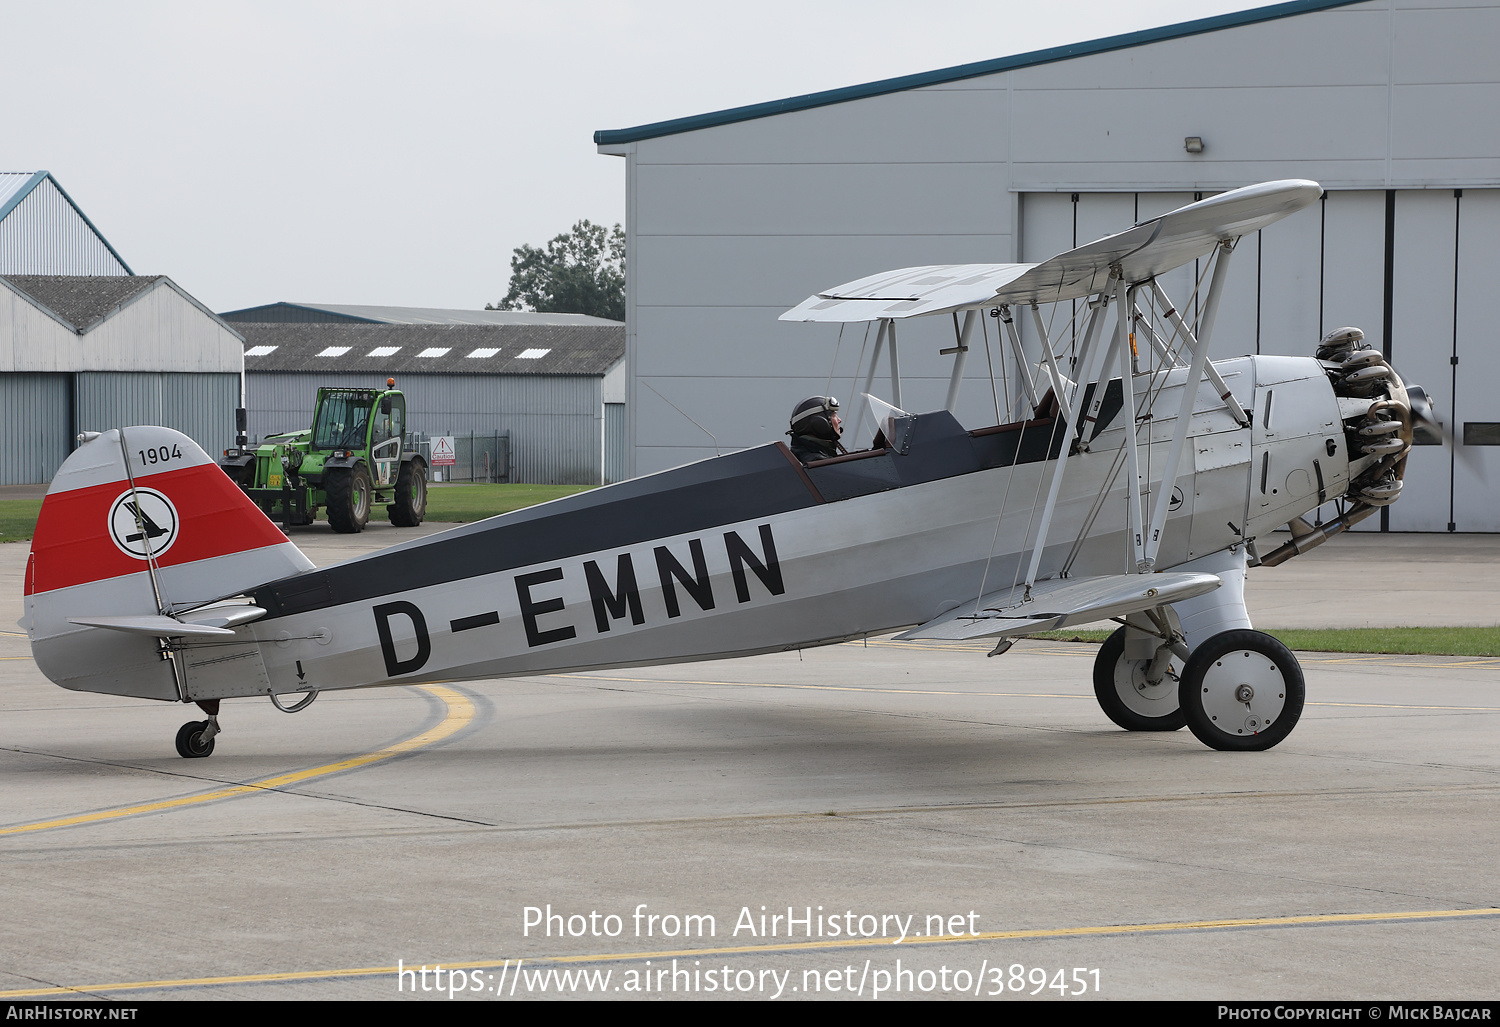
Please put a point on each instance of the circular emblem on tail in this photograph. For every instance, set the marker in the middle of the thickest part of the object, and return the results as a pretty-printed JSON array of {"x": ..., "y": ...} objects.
[{"x": 143, "y": 523}]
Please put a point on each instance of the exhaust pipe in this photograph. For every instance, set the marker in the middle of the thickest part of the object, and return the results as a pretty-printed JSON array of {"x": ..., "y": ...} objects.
[{"x": 1306, "y": 537}]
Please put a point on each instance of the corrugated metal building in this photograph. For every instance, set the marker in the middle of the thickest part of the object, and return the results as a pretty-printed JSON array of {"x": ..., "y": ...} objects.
[
  {"x": 350, "y": 313},
  {"x": 547, "y": 385},
  {"x": 42, "y": 231},
  {"x": 95, "y": 352},
  {"x": 1393, "y": 105}
]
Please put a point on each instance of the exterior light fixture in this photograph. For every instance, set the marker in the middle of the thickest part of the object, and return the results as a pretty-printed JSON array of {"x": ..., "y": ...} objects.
[{"x": 1193, "y": 144}]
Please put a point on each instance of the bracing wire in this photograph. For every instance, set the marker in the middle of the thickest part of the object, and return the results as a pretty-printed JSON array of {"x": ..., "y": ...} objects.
[
  {"x": 829, "y": 384},
  {"x": 684, "y": 413},
  {"x": 1153, "y": 391},
  {"x": 1000, "y": 517},
  {"x": 854, "y": 378},
  {"x": 1057, "y": 418},
  {"x": 1040, "y": 478}
]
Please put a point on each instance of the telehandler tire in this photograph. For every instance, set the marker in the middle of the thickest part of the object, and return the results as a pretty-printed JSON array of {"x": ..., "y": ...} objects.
[
  {"x": 349, "y": 495},
  {"x": 411, "y": 494}
]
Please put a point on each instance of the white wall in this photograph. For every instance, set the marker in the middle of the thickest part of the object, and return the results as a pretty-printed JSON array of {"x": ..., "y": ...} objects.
[{"x": 158, "y": 330}]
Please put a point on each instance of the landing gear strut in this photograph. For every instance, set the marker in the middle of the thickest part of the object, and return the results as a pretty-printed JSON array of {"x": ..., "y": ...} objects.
[
  {"x": 1138, "y": 695},
  {"x": 195, "y": 739}
]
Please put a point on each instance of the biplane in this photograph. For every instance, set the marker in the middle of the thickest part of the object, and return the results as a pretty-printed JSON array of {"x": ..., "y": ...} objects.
[{"x": 1134, "y": 482}]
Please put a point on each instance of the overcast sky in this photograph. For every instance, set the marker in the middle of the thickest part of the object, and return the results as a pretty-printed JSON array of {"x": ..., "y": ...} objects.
[{"x": 397, "y": 153}]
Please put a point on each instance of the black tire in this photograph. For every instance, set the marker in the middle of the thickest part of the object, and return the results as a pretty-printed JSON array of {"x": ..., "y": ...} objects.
[
  {"x": 1127, "y": 698},
  {"x": 411, "y": 494},
  {"x": 190, "y": 743},
  {"x": 242, "y": 475},
  {"x": 1242, "y": 691},
  {"x": 349, "y": 496}
]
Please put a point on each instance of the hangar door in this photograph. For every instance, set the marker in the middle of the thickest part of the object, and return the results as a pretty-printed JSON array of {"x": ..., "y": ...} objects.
[
  {"x": 1408, "y": 266},
  {"x": 36, "y": 426}
]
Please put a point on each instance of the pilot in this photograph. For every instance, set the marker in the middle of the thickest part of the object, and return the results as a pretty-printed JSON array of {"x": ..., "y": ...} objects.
[{"x": 816, "y": 429}]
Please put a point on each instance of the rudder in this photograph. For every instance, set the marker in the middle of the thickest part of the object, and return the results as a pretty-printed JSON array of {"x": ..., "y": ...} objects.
[{"x": 139, "y": 523}]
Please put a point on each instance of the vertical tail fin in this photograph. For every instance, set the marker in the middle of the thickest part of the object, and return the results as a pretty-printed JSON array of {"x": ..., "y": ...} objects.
[{"x": 139, "y": 523}]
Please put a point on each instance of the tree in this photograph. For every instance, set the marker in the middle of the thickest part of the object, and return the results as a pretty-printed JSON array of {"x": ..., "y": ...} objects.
[{"x": 580, "y": 272}]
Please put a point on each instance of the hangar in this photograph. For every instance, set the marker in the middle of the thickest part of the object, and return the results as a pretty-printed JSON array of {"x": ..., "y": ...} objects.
[
  {"x": 90, "y": 352},
  {"x": 553, "y": 384},
  {"x": 1392, "y": 105},
  {"x": 87, "y": 344}
]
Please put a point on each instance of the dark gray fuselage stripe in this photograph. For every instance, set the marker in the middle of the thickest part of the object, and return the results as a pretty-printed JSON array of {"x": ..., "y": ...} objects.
[{"x": 749, "y": 485}]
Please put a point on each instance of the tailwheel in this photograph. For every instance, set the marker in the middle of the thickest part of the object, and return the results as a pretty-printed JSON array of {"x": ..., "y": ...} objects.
[
  {"x": 1242, "y": 691},
  {"x": 1138, "y": 695},
  {"x": 195, "y": 739}
]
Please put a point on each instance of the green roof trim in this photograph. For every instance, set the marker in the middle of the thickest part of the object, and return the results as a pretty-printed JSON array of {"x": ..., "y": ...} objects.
[{"x": 610, "y": 137}]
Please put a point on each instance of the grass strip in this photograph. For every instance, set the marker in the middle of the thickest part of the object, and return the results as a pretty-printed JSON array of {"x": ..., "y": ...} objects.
[
  {"x": 18, "y": 518},
  {"x": 1412, "y": 641},
  {"x": 445, "y": 503},
  {"x": 464, "y": 503}
]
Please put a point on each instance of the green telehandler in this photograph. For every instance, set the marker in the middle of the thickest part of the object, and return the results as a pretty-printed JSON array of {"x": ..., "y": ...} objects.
[{"x": 353, "y": 458}]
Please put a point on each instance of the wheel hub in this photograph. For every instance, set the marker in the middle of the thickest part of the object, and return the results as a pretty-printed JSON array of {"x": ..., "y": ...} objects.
[
  {"x": 1144, "y": 696},
  {"x": 1243, "y": 692}
]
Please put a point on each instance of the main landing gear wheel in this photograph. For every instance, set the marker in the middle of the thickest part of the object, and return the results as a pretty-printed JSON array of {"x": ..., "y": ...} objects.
[
  {"x": 1242, "y": 691},
  {"x": 1127, "y": 696},
  {"x": 191, "y": 744}
]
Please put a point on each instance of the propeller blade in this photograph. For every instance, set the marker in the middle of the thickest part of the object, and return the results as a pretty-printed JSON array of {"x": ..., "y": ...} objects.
[{"x": 1425, "y": 415}]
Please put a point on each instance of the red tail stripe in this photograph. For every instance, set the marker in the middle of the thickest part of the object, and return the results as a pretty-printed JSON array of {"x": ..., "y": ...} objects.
[{"x": 72, "y": 544}]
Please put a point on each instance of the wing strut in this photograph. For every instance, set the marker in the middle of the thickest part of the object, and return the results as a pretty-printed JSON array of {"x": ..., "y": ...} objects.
[
  {"x": 1092, "y": 417},
  {"x": 1162, "y": 349},
  {"x": 1124, "y": 301},
  {"x": 887, "y": 334},
  {"x": 895, "y": 366},
  {"x": 1189, "y": 397},
  {"x": 1057, "y": 380},
  {"x": 1021, "y": 361},
  {"x": 1086, "y": 374},
  {"x": 960, "y": 352},
  {"x": 1225, "y": 396},
  {"x": 859, "y": 402}
]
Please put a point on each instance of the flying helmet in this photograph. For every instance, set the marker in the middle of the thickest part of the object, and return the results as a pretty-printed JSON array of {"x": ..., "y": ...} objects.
[{"x": 814, "y": 416}]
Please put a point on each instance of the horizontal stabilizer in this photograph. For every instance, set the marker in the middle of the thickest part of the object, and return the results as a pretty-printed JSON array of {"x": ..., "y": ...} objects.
[
  {"x": 152, "y": 626},
  {"x": 1063, "y": 602}
]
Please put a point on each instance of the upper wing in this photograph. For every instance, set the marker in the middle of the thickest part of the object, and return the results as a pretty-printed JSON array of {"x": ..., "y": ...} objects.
[
  {"x": 1063, "y": 602},
  {"x": 910, "y": 292},
  {"x": 1143, "y": 252}
]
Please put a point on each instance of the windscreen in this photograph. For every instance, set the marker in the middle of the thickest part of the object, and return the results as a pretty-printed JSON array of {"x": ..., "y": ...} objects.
[{"x": 341, "y": 421}]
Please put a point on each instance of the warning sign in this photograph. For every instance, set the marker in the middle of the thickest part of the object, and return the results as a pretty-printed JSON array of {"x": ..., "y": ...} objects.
[{"x": 442, "y": 451}]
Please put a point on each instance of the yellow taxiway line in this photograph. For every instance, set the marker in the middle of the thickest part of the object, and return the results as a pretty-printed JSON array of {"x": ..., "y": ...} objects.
[
  {"x": 1326, "y": 919},
  {"x": 460, "y": 714}
]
